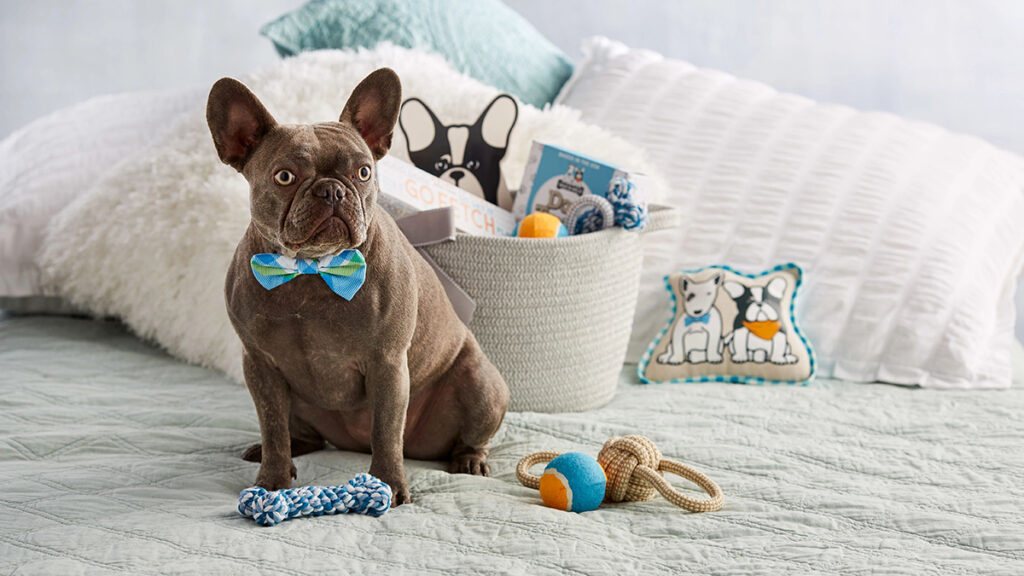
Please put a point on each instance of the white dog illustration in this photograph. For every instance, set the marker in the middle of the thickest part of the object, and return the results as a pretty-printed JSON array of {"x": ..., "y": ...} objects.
[
  {"x": 697, "y": 336},
  {"x": 758, "y": 334}
]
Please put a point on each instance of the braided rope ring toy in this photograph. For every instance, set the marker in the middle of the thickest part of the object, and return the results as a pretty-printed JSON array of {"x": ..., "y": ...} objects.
[
  {"x": 363, "y": 494},
  {"x": 633, "y": 467},
  {"x": 590, "y": 213}
]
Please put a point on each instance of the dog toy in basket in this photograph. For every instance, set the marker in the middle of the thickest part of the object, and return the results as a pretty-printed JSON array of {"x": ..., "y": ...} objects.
[
  {"x": 626, "y": 470},
  {"x": 363, "y": 494}
]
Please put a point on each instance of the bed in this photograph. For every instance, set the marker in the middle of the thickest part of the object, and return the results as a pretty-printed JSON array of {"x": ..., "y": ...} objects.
[{"x": 116, "y": 458}]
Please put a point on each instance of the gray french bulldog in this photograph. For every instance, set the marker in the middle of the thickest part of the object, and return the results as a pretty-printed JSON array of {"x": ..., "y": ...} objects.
[{"x": 392, "y": 370}]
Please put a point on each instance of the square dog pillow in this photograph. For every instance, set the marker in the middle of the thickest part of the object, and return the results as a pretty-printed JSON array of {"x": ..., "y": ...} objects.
[{"x": 727, "y": 326}]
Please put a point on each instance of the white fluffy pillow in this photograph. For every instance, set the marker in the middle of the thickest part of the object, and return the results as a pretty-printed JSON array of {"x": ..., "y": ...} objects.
[
  {"x": 47, "y": 164},
  {"x": 152, "y": 242},
  {"x": 911, "y": 237}
]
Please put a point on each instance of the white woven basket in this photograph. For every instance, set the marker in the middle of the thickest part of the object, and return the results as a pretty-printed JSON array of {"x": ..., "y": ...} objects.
[{"x": 554, "y": 315}]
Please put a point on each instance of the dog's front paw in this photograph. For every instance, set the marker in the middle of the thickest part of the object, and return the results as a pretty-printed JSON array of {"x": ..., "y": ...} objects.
[
  {"x": 276, "y": 477},
  {"x": 396, "y": 480},
  {"x": 739, "y": 358},
  {"x": 667, "y": 358},
  {"x": 714, "y": 358},
  {"x": 470, "y": 463}
]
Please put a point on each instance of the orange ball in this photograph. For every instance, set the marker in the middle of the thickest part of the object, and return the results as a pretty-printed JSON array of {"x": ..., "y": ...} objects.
[{"x": 541, "y": 225}]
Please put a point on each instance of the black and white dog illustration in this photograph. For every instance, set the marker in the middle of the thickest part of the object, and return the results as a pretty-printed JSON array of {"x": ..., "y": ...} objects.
[
  {"x": 697, "y": 336},
  {"x": 467, "y": 156},
  {"x": 758, "y": 335}
]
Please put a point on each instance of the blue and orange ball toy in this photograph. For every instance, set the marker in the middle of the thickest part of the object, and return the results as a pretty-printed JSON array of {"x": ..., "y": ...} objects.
[
  {"x": 541, "y": 225},
  {"x": 574, "y": 482}
]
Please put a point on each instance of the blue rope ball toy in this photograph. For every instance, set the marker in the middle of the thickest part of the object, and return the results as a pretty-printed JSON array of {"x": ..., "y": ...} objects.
[
  {"x": 630, "y": 208},
  {"x": 573, "y": 482},
  {"x": 363, "y": 494}
]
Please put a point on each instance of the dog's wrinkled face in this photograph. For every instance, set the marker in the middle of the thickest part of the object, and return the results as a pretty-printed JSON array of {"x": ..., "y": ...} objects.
[
  {"x": 699, "y": 297},
  {"x": 313, "y": 187}
]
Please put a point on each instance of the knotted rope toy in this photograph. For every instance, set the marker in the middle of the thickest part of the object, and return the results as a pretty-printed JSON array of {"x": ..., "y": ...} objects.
[
  {"x": 363, "y": 494},
  {"x": 630, "y": 208},
  {"x": 633, "y": 468}
]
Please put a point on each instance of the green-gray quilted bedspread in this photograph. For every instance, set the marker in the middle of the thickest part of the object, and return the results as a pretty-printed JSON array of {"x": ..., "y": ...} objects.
[{"x": 115, "y": 458}]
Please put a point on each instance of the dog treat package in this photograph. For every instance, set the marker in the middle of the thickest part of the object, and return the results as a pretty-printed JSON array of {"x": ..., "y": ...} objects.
[
  {"x": 727, "y": 326},
  {"x": 556, "y": 178},
  {"x": 405, "y": 189}
]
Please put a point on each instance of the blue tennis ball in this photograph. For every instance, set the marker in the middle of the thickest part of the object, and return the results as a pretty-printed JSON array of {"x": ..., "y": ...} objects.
[{"x": 574, "y": 482}]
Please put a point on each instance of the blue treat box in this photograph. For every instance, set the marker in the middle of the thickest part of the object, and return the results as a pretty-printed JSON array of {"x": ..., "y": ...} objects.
[{"x": 555, "y": 178}]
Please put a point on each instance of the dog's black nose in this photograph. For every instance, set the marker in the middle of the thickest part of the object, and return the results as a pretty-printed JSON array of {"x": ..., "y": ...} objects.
[
  {"x": 331, "y": 192},
  {"x": 456, "y": 175}
]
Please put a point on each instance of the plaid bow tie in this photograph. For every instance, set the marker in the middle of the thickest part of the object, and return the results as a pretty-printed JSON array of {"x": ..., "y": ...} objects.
[{"x": 344, "y": 273}]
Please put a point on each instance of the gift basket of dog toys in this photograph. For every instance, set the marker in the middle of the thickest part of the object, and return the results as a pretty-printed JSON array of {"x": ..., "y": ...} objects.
[
  {"x": 554, "y": 291},
  {"x": 555, "y": 303}
]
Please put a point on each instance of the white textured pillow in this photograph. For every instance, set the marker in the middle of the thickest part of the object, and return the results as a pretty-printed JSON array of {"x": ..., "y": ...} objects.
[
  {"x": 911, "y": 237},
  {"x": 152, "y": 242},
  {"x": 47, "y": 164}
]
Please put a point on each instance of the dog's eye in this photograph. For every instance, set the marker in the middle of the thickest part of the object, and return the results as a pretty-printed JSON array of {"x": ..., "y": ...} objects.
[
  {"x": 284, "y": 178},
  {"x": 473, "y": 164},
  {"x": 441, "y": 165},
  {"x": 364, "y": 173}
]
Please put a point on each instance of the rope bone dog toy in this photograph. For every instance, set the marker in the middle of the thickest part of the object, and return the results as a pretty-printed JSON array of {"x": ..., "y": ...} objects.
[
  {"x": 626, "y": 470},
  {"x": 363, "y": 494}
]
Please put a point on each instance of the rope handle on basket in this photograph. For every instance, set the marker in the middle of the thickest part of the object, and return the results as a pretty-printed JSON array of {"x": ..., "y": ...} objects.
[{"x": 633, "y": 467}]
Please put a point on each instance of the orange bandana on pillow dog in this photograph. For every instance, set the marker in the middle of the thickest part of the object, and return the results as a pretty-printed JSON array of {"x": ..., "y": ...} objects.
[{"x": 727, "y": 326}]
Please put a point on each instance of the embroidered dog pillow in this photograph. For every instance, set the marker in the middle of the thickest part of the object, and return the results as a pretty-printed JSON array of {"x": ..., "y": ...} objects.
[{"x": 731, "y": 327}]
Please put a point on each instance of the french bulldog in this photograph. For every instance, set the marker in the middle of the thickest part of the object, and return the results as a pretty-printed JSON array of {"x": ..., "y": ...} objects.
[
  {"x": 697, "y": 337},
  {"x": 392, "y": 370},
  {"x": 758, "y": 334}
]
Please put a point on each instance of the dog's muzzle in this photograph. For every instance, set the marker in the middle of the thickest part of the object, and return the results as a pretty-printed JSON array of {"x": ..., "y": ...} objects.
[{"x": 329, "y": 190}]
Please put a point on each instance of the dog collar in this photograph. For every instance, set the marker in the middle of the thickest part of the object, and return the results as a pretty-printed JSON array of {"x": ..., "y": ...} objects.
[{"x": 343, "y": 273}]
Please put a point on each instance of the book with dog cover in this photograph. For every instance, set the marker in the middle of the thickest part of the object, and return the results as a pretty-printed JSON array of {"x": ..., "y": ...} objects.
[{"x": 555, "y": 178}]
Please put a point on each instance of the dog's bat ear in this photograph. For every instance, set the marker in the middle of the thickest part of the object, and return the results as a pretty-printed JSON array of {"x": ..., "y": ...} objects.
[
  {"x": 735, "y": 289},
  {"x": 777, "y": 287},
  {"x": 373, "y": 108},
  {"x": 238, "y": 121},
  {"x": 497, "y": 120},
  {"x": 419, "y": 124}
]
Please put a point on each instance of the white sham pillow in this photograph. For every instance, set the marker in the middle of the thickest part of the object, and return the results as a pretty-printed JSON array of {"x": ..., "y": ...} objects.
[
  {"x": 911, "y": 237},
  {"x": 50, "y": 162}
]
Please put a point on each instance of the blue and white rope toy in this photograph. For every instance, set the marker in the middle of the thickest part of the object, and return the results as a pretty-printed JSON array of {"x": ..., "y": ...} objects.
[
  {"x": 624, "y": 206},
  {"x": 630, "y": 208},
  {"x": 363, "y": 494}
]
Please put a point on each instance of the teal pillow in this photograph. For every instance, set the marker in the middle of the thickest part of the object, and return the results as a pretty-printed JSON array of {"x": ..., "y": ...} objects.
[{"x": 483, "y": 38}]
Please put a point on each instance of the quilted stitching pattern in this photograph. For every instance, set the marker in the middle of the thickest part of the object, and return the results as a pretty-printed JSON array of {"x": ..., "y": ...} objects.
[{"x": 116, "y": 459}]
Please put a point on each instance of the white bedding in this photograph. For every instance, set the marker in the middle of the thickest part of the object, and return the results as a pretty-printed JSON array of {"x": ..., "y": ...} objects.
[{"x": 116, "y": 458}]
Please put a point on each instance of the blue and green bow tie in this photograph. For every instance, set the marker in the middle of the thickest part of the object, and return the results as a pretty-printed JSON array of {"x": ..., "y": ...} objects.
[{"x": 344, "y": 273}]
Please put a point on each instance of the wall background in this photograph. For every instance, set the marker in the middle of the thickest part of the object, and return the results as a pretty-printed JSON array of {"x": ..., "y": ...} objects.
[{"x": 952, "y": 62}]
